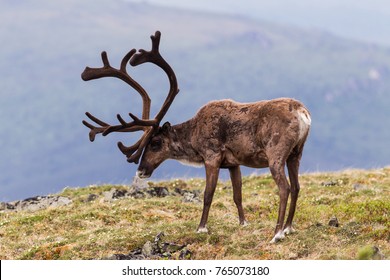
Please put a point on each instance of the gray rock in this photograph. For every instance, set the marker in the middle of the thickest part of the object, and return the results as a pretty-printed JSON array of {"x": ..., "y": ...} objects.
[
  {"x": 377, "y": 254},
  {"x": 157, "y": 191},
  {"x": 189, "y": 196},
  {"x": 114, "y": 194},
  {"x": 58, "y": 201},
  {"x": 36, "y": 203},
  {"x": 147, "y": 249},
  {"x": 358, "y": 187},
  {"x": 91, "y": 197},
  {"x": 137, "y": 194},
  {"x": 6, "y": 206},
  {"x": 333, "y": 222},
  {"x": 329, "y": 183}
]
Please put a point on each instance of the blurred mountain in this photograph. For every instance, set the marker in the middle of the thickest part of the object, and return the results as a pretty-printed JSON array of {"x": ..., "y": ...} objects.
[
  {"x": 46, "y": 46},
  {"x": 362, "y": 20}
]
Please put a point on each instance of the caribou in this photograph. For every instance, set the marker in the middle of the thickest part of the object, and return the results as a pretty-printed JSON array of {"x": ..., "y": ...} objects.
[{"x": 223, "y": 134}]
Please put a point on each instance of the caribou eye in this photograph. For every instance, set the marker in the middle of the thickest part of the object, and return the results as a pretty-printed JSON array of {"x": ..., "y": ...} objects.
[{"x": 155, "y": 144}]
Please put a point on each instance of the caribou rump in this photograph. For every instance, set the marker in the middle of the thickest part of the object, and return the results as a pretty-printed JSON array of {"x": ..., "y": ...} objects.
[{"x": 223, "y": 134}]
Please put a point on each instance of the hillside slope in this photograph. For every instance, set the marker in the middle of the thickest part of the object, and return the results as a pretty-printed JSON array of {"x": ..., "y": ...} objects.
[
  {"x": 344, "y": 83},
  {"x": 342, "y": 215}
]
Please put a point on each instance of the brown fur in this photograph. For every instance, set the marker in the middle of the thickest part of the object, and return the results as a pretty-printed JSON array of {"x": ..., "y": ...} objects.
[{"x": 227, "y": 134}]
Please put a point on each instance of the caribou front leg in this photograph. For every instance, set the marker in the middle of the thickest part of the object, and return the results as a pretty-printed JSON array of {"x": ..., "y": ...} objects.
[
  {"x": 235, "y": 177},
  {"x": 212, "y": 172}
]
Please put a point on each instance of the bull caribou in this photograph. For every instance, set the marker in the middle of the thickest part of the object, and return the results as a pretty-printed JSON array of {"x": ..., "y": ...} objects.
[{"x": 223, "y": 134}]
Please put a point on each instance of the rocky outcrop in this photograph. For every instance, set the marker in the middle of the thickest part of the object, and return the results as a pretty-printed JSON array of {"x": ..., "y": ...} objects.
[
  {"x": 35, "y": 203},
  {"x": 42, "y": 202},
  {"x": 187, "y": 195}
]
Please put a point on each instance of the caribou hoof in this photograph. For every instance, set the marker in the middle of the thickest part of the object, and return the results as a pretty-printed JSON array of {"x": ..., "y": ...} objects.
[
  {"x": 288, "y": 230},
  {"x": 202, "y": 230},
  {"x": 244, "y": 224},
  {"x": 278, "y": 237}
]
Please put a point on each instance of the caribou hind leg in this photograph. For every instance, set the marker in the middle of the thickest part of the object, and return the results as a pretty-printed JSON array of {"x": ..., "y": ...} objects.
[
  {"x": 278, "y": 174},
  {"x": 293, "y": 168}
]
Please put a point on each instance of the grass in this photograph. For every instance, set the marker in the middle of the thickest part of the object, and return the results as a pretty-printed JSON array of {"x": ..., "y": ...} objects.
[{"x": 360, "y": 199}]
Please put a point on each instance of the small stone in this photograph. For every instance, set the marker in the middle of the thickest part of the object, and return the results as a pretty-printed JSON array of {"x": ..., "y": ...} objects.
[
  {"x": 115, "y": 194},
  {"x": 147, "y": 249},
  {"x": 333, "y": 222},
  {"x": 59, "y": 201},
  {"x": 108, "y": 195},
  {"x": 358, "y": 187},
  {"x": 158, "y": 191},
  {"x": 114, "y": 257},
  {"x": 119, "y": 194},
  {"x": 137, "y": 194},
  {"x": 377, "y": 254},
  {"x": 185, "y": 254},
  {"x": 189, "y": 196},
  {"x": 329, "y": 183},
  {"x": 91, "y": 197}
]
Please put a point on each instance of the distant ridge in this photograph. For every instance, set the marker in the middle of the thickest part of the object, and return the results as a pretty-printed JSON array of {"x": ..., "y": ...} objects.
[{"x": 344, "y": 83}]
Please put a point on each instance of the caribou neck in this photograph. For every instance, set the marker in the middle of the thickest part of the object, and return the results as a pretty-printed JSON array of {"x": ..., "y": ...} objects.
[{"x": 181, "y": 144}]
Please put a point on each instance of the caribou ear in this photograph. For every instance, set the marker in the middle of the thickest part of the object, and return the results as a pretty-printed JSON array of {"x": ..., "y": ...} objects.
[{"x": 166, "y": 127}]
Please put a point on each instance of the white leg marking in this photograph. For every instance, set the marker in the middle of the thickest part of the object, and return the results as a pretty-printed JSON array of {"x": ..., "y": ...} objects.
[
  {"x": 202, "y": 230},
  {"x": 245, "y": 224},
  {"x": 289, "y": 230},
  {"x": 278, "y": 236}
]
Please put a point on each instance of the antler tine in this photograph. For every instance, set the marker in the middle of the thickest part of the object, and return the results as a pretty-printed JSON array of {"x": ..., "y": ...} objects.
[
  {"x": 133, "y": 153},
  {"x": 94, "y": 130},
  {"x": 106, "y": 128},
  {"x": 108, "y": 71},
  {"x": 155, "y": 57}
]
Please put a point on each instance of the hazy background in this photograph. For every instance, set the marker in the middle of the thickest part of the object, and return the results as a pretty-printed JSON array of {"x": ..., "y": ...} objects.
[{"x": 333, "y": 55}]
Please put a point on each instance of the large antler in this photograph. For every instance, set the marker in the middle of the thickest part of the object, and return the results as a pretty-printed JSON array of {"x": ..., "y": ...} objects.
[{"x": 149, "y": 126}]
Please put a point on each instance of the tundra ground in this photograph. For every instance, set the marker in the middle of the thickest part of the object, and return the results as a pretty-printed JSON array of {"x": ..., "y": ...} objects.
[{"x": 343, "y": 215}]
